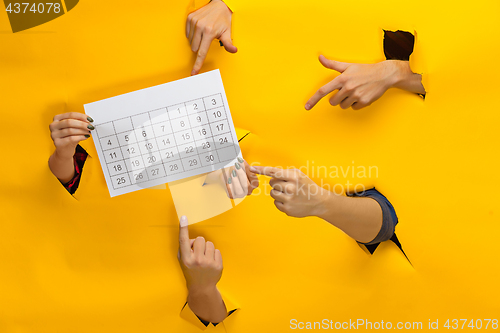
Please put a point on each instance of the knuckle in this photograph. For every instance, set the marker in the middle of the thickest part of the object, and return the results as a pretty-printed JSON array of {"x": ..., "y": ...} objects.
[
  {"x": 348, "y": 87},
  {"x": 188, "y": 262},
  {"x": 208, "y": 29},
  {"x": 322, "y": 91},
  {"x": 201, "y": 54}
]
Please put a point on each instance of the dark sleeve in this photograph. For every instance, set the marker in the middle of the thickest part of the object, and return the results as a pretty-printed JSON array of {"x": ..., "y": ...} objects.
[
  {"x": 398, "y": 45},
  {"x": 79, "y": 160},
  {"x": 206, "y": 323},
  {"x": 389, "y": 217}
]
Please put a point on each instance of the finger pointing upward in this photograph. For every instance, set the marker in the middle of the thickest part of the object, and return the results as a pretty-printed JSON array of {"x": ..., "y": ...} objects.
[{"x": 184, "y": 243}]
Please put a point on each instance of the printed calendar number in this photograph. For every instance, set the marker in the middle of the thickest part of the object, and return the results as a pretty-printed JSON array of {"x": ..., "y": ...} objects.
[
  {"x": 198, "y": 119},
  {"x": 195, "y": 106},
  {"x": 209, "y": 158},
  {"x": 113, "y": 155},
  {"x": 217, "y": 114},
  {"x": 213, "y": 101},
  {"x": 191, "y": 163},
  {"x": 156, "y": 171},
  {"x": 205, "y": 145},
  {"x": 220, "y": 127},
  {"x": 121, "y": 181},
  {"x": 162, "y": 129},
  {"x": 166, "y": 141},
  {"x": 109, "y": 142},
  {"x": 126, "y": 138},
  {"x": 173, "y": 167},
  {"x": 138, "y": 177}
]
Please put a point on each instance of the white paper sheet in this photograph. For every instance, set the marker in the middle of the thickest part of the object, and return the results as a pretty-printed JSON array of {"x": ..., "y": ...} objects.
[{"x": 164, "y": 133}]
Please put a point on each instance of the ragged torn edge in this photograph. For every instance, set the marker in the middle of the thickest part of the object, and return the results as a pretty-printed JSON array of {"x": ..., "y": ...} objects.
[
  {"x": 398, "y": 45},
  {"x": 371, "y": 248},
  {"x": 79, "y": 159}
]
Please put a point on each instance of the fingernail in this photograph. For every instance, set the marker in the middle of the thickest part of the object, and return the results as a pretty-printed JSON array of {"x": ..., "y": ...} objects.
[
  {"x": 308, "y": 106},
  {"x": 87, "y": 136},
  {"x": 253, "y": 169},
  {"x": 184, "y": 221},
  {"x": 230, "y": 180},
  {"x": 237, "y": 165},
  {"x": 234, "y": 173},
  {"x": 90, "y": 119},
  {"x": 240, "y": 160},
  {"x": 90, "y": 127},
  {"x": 193, "y": 73}
]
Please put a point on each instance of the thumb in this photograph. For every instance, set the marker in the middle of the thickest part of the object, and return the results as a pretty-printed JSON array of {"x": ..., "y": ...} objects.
[
  {"x": 184, "y": 244},
  {"x": 333, "y": 64},
  {"x": 225, "y": 38}
]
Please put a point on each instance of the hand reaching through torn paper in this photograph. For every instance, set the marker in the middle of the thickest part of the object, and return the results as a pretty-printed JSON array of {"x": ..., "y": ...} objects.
[
  {"x": 201, "y": 264},
  {"x": 295, "y": 194},
  {"x": 359, "y": 85},
  {"x": 66, "y": 131},
  {"x": 212, "y": 21}
]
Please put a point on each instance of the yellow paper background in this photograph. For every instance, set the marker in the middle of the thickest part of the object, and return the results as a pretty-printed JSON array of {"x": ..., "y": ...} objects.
[{"x": 98, "y": 264}]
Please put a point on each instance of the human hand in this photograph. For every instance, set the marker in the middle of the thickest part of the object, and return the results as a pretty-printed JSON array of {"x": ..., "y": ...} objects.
[
  {"x": 212, "y": 21},
  {"x": 293, "y": 192},
  {"x": 67, "y": 130},
  {"x": 239, "y": 180},
  {"x": 200, "y": 262},
  {"x": 359, "y": 85}
]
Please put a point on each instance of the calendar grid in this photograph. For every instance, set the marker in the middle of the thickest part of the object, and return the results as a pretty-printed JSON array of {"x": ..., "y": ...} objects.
[{"x": 132, "y": 146}]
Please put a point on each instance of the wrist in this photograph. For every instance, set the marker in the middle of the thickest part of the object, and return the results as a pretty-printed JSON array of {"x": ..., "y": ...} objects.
[
  {"x": 326, "y": 200},
  {"x": 401, "y": 73},
  {"x": 63, "y": 156},
  {"x": 202, "y": 290}
]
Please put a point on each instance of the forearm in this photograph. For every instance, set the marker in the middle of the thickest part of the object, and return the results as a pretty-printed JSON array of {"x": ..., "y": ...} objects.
[
  {"x": 360, "y": 218},
  {"x": 207, "y": 304},
  {"x": 62, "y": 167},
  {"x": 406, "y": 79}
]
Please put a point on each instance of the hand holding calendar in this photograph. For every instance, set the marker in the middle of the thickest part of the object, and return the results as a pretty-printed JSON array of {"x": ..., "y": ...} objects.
[{"x": 164, "y": 133}]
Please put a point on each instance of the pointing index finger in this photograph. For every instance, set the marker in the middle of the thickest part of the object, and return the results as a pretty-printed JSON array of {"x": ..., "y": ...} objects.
[
  {"x": 277, "y": 173},
  {"x": 184, "y": 243},
  {"x": 202, "y": 53},
  {"x": 323, "y": 91}
]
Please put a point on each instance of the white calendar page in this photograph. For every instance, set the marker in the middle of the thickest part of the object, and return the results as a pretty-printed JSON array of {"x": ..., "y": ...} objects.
[{"x": 164, "y": 133}]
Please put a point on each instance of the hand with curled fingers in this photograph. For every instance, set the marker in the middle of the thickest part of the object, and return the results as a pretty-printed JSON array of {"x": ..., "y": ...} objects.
[
  {"x": 359, "y": 85},
  {"x": 201, "y": 264},
  {"x": 239, "y": 180},
  {"x": 66, "y": 131},
  {"x": 293, "y": 192},
  {"x": 212, "y": 21}
]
